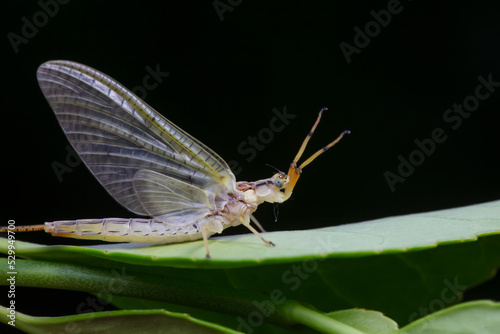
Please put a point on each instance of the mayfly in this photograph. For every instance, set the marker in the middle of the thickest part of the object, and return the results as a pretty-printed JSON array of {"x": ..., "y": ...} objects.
[{"x": 150, "y": 166}]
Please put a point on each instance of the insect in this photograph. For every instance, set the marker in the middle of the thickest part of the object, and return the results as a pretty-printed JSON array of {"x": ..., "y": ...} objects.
[{"x": 150, "y": 166}]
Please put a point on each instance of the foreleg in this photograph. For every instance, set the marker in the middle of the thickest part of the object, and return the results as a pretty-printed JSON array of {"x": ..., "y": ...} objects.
[{"x": 246, "y": 223}]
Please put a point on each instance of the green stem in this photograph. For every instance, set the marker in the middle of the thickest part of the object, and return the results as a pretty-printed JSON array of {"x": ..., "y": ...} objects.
[{"x": 297, "y": 313}]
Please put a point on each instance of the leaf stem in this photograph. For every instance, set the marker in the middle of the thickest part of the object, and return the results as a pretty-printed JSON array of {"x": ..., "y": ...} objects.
[{"x": 295, "y": 312}]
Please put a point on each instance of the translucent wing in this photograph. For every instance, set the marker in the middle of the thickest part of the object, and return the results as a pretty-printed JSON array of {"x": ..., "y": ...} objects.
[
  {"x": 120, "y": 138},
  {"x": 187, "y": 203}
]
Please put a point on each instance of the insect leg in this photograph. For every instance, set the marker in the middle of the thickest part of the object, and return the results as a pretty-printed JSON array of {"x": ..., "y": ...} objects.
[
  {"x": 208, "y": 229},
  {"x": 256, "y": 222},
  {"x": 251, "y": 228},
  {"x": 204, "y": 231}
]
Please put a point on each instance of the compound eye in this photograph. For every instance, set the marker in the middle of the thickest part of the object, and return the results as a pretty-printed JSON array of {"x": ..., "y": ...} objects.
[{"x": 278, "y": 183}]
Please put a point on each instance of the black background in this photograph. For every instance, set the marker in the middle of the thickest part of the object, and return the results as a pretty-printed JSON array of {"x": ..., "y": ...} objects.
[{"x": 226, "y": 77}]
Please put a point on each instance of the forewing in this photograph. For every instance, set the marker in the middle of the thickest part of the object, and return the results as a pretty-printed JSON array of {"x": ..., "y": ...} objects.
[{"x": 117, "y": 134}]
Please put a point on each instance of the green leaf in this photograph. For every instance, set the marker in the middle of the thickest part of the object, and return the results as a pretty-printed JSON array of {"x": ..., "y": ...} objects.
[
  {"x": 473, "y": 317},
  {"x": 230, "y": 321},
  {"x": 133, "y": 321},
  {"x": 366, "y": 321},
  {"x": 397, "y": 265},
  {"x": 482, "y": 317},
  {"x": 381, "y": 236}
]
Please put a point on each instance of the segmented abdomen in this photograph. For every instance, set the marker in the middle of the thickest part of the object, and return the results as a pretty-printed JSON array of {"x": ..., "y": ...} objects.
[{"x": 124, "y": 230}]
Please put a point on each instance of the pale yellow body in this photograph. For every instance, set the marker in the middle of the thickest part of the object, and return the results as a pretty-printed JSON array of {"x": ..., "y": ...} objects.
[{"x": 238, "y": 210}]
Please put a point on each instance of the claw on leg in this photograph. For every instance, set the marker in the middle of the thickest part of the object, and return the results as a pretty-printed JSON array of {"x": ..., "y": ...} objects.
[
  {"x": 251, "y": 228},
  {"x": 205, "y": 239}
]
